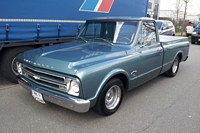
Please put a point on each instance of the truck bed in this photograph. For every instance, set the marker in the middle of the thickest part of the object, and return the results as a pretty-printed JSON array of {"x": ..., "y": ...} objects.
[{"x": 171, "y": 39}]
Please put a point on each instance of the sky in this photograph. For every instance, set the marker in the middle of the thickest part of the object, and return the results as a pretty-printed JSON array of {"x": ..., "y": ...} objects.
[{"x": 193, "y": 8}]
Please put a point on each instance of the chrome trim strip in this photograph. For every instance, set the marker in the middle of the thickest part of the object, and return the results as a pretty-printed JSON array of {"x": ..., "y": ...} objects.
[
  {"x": 44, "y": 72},
  {"x": 72, "y": 103},
  {"x": 42, "y": 78},
  {"x": 45, "y": 85},
  {"x": 40, "y": 20}
]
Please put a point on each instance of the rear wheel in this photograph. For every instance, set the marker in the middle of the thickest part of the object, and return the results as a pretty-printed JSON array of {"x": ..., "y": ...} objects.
[
  {"x": 110, "y": 98},
  {"x": 8, "y": 66},
  {"x": 174, "y": 68}
]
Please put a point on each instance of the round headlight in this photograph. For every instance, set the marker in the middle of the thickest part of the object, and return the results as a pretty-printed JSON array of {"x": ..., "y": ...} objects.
[{"x": 74, "y": 88}]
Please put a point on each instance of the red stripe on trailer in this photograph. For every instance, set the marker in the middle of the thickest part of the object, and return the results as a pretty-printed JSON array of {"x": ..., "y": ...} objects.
[{"x": 105, "y": 5}]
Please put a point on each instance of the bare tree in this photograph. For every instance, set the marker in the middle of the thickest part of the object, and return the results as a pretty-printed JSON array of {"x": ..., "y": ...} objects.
[
  {"x": 186, "y": 2},
  {"x": 178, "y": 6}
]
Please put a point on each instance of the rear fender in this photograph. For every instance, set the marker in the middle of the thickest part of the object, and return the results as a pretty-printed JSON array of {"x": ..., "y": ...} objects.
[{"x": 179, "y": 54}]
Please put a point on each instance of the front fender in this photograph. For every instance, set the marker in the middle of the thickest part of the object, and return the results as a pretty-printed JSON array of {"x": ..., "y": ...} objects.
[{"x": 110, "y": 75}]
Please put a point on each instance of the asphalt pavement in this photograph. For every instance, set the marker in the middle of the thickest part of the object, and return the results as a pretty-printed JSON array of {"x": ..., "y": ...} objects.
[{"x": 163, "y": 105}]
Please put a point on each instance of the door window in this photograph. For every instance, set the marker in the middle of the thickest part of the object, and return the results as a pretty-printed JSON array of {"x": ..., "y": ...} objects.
[{"x": 147, "y": 34}]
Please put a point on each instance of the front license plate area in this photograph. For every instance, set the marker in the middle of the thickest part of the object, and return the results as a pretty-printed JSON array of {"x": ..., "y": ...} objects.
[{"x": 37, "y": 96}]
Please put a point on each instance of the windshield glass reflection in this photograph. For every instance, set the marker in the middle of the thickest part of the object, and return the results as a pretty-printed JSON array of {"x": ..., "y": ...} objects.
[{"x": 109, "y": 32}]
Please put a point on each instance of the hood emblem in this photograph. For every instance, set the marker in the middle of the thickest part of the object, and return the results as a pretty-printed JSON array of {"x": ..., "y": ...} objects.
[{"x": 38, "y": 64}]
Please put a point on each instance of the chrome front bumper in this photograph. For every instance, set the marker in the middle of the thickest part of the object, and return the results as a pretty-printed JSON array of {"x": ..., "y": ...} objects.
[{"x": 75, "y": 104}]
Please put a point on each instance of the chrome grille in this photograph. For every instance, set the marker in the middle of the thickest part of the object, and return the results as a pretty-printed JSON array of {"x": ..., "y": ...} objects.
[{"x": 44, "y": 79}]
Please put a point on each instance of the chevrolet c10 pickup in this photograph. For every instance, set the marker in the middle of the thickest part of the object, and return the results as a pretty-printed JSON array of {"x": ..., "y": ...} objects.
[{"x": 110, "y": 55}]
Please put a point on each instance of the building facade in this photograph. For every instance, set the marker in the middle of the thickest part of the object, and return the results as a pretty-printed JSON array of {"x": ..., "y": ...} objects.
[{"x": 153, "y": 9}]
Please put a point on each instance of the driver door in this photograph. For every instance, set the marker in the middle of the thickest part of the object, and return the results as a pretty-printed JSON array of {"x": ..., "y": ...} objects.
[{"x": 150, "y": 52}]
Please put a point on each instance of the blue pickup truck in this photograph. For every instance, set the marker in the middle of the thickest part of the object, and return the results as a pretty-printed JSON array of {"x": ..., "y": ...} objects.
[{"x": 109, "y": 56}]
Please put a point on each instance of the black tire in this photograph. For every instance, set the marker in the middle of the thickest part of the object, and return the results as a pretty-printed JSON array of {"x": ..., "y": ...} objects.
[
  {"x": 174, "y": 68},
  {"x": 192, "y": 42},
  {"x": 110, "y": 97},
  {"x": 7, "y": 62}
]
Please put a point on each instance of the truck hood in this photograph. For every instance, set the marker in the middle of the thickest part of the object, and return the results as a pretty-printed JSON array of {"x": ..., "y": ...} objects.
[{"x": 69, "y": 57}]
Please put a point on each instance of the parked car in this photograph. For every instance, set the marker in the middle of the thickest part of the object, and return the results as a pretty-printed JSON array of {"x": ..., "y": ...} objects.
[
  {"x": 195, "y": 37},
  {"x": 189, "y": 28},
  {"x": 165, "y": 27}
]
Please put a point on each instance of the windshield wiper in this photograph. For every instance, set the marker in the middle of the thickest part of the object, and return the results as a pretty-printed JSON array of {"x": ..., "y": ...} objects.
[
  {"x": 82, "y": 39},
  {"x": 104, "y": 40}
]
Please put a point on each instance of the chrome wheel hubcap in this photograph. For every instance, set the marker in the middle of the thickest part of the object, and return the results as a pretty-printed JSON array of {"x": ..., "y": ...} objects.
[
  {"x": 175, "y": 66},
  {"x": 113, "y": 97}
]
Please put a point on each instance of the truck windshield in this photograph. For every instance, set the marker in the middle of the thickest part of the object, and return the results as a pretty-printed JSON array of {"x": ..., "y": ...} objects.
[{"x": 109, "y": 32}]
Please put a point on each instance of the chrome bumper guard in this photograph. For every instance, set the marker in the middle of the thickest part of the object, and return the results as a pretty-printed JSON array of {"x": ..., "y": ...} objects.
[{"x": 75, "y": 104}]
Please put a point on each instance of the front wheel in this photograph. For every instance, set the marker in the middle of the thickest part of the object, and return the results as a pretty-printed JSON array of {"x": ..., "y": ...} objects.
[
  {"x": 110, "y": 98},
  {"x": 174, "y": 68}
]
